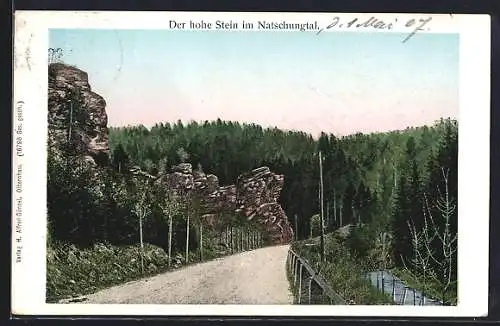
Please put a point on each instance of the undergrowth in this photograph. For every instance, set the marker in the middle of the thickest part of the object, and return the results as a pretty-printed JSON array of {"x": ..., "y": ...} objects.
[
  {"x": 73, "y": 271},
  {"x": 343, "y": 272},
  {"x": 431, "y": 289}
]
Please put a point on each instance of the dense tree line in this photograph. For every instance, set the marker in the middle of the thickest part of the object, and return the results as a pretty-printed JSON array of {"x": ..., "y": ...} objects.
[
  {"x": 367, "y": 177},
  {"x": 380, "y": 181}
]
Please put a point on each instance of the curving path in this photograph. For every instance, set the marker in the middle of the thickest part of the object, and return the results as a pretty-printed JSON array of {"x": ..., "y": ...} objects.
[{"x": 252, "y": 277}]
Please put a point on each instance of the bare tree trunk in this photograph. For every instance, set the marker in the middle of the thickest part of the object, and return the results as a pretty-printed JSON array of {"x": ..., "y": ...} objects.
[
  {"x": 142, "y": 244},
  {"x": 340, "y": 213},
  {"x": 238, "y": 240},
  {"x": 327, "y": 226},
  {"x": 322, "y": 224},
  {"x": 252, "y": 239},
  {"x": 247, "y": 238},
  {"x": 395, "y": 181},
  {"x": 241, "y": 240},
  {"x": 141, "y": 210},
  {"x": 187, "y": 238},
  {"x": 334, "y": 208},
  {"x": 296, "y": 228},
  {"x": 232, "y": 245},
  {"x": 169, "y": 240},
  {"x": 201, "y": 241},
  {"x": 70, "y": 120}
]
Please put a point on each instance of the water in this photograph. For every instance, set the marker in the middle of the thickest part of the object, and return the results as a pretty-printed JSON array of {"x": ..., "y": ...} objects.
[{"x": 401, "y": 294}]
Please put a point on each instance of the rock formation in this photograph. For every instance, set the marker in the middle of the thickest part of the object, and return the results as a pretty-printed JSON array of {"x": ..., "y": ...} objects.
[
  {"x": 78, "y": 125},
  {"x": 257, "y": 197},
  {"x": 76, "y": 115},
  {"x": 254, "y": 196}
]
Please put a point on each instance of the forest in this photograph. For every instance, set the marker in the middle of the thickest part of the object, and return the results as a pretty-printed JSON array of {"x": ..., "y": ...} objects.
[{"x": 399, "y": 188}]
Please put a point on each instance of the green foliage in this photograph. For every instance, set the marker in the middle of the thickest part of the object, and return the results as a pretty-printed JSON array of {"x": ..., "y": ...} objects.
[
  {"x": 360, "y": 170},
  {"x": 72, "y": 271},
  {"x": 342, "y": 270},
  {"x": 374, "y": 181},
  {"x": 360, "y": 241},
  {"x": 315, "y": 225},
  {"x": 380, "y": 253}
]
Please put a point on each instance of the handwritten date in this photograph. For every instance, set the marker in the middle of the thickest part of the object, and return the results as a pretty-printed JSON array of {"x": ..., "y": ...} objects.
[{"x": 415, "y": 25}]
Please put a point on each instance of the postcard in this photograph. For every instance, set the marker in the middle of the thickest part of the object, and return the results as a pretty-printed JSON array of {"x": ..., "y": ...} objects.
[{"x": 250, "y": 164}]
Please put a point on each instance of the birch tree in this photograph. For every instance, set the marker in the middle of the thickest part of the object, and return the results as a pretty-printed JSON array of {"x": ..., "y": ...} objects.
[
  {"x": 142, "y": 210},
  {"x": 170, "y": 206},
  {"x": 445, "y": 258},
  {"x": 201, "y": 238},
  {"x": 419, "y": 266},
  {"x": 188, "y": 215},
  {"x": 383, "y": 245},
  {"x": 435, "y": 245}
]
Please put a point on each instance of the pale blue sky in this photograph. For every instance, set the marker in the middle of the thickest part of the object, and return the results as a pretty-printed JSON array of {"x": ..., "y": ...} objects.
[{"x": 334, "y": 82}]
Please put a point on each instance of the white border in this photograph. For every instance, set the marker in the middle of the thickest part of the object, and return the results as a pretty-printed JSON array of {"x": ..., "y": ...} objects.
[{"x": 30, "y": 86}]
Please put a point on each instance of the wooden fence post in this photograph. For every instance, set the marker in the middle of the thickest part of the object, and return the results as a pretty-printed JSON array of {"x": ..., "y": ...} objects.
[
  {"x": 310, "y": 285},
  {"x": 294, "y": 263},
  {"x": 242, "y": 240},
  {"x": 393, "y": 289},
  {"x": 232, "y": 243},
  {"x": 296, "y": 272}
]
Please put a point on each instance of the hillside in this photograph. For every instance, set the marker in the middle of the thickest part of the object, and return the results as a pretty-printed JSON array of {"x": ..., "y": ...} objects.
[{"x": 202, "y": 190}]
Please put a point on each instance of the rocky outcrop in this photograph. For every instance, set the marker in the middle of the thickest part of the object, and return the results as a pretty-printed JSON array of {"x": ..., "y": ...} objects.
[
  {"x": 257, "y": 198},
  {"x": 78, "y": 126},
  {"x": 254, "y": 197},
  {"x": 76, "y": 115}
]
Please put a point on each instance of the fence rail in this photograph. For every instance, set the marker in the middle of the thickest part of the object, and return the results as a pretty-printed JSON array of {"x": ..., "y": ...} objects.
[
  {"x": 387, "y": 283},
  {"x": 310, "y": 287}
]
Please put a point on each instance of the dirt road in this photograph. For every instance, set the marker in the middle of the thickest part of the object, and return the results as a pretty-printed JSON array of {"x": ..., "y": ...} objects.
[{"x": 252, "y": 277}]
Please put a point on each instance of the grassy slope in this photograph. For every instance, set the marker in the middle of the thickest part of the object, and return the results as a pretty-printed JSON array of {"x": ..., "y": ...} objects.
[
  {"x": 344, "y": 273},
  {"x": 73, "y": 272}
]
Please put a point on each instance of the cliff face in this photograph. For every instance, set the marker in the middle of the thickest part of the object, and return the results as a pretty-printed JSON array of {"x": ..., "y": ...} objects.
[
  {"x": 78, "y": 126},
  {"x": 76, "y": 115}
]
